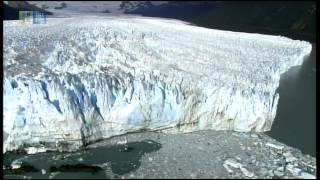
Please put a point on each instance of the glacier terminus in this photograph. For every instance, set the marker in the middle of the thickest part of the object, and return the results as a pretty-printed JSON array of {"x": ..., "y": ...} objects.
[{"x": 79, "y": 79}]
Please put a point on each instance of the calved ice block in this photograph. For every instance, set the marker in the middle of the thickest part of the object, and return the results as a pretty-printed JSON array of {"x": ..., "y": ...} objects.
[{"x": 80, "y": 79}]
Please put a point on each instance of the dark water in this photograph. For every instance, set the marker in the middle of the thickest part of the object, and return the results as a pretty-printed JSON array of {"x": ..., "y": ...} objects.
[
  {"x": 295, "y": 122},
  {"x": 120, "y": 159}
]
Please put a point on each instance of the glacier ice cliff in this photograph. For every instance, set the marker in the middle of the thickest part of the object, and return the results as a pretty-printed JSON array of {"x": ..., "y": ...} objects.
[{"x": 80, "y": 79}]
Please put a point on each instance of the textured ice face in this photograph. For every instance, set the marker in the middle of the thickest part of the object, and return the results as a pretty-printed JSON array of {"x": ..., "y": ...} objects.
[{"x": 85, "y": 78}]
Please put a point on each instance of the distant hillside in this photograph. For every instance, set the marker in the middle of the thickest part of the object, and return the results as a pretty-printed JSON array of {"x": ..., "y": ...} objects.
[
  {"x": 293, "y": 19},
  {"x": 12, "y": 8},
  {"x": 177, "y": 10},
  {"x": 10, "y": 13}
]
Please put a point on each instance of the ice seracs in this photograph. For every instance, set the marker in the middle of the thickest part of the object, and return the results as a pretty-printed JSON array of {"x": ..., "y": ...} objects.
[{"x": 75, "y": 80}]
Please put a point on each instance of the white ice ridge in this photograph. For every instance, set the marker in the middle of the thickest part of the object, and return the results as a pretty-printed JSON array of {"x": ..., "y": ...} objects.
[{"x": 85, "y": 78}]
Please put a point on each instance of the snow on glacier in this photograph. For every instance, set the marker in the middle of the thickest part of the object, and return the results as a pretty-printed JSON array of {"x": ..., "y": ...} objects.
[{"x": 84, "y": 78}]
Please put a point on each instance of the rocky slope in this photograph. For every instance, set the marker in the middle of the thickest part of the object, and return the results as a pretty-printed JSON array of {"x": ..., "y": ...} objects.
[
  {"x": 204, "y": 154},
  {"x": 218, "y": 154},
  {"x": 84, "y": 78}
]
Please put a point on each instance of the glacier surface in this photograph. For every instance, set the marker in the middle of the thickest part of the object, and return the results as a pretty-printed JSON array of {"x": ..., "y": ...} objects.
[{"x": 80, "y": 79}]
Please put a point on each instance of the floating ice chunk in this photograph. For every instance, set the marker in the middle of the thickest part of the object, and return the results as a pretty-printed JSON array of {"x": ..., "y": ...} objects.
[
  {"x": 278, "y": 147},
  {"x": 246, "y": 172},
  {"x": 294, "y": 170},
  {"x": 34, "y": 150},
  {"x": 233, "y": 163},
  {"x": 289, "y": 157},
  {"x": 16, "y": 164},
  {"x": 305, "y": 175}
]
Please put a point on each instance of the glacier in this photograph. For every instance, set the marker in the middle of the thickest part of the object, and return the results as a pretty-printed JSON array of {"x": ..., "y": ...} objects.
[{"x": 76, "y": 80}]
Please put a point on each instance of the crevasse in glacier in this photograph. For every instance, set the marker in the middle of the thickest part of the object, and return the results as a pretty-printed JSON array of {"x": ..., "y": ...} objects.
[{"x": 76, "y": 80}]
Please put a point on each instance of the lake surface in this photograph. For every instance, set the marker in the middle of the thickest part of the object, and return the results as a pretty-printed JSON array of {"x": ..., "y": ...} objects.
[{"x": 295, "y": 122}]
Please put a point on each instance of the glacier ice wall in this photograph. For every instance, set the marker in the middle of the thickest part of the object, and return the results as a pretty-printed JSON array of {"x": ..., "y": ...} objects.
[{"x": 77, "y": 80}]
